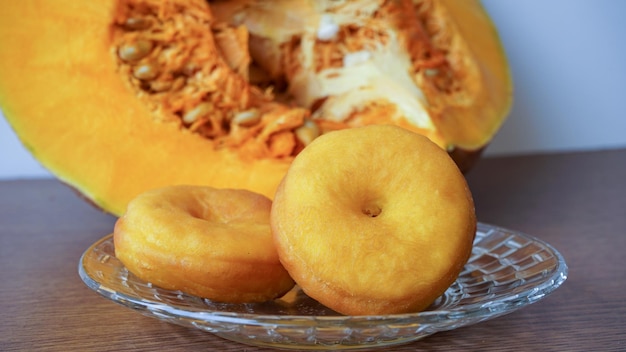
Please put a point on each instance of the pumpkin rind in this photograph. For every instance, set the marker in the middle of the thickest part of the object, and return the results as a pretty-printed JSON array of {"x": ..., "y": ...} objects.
[
  {"x": 62, "y": 94},
  {"x": 472, "y": 127}
]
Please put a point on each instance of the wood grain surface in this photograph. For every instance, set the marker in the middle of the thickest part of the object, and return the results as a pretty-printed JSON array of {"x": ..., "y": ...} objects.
[{"x": 574, "y": 201}]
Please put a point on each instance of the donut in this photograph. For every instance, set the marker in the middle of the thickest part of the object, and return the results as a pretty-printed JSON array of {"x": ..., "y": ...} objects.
[
  {"x": 373, "y": 220},
  {"x": 208, "y": 242}
]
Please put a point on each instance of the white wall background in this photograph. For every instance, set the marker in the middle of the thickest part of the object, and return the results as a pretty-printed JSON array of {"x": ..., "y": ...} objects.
[{"x": 568, "y": 59}]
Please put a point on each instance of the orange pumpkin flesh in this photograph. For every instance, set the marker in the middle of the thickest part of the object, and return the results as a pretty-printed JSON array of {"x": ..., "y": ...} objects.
[
  {"x": 63, "y": 97},
  {"x": 62, "y": 91}
]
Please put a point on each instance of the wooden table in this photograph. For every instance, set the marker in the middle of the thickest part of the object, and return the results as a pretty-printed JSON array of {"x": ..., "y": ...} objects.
[{"x": 576, "y": 202}]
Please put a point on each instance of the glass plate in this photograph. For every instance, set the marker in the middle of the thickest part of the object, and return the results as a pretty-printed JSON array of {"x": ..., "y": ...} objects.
[{"x": 507, "y": 271}]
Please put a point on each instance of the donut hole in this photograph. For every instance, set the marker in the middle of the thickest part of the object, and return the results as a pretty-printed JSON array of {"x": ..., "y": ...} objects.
[
  {"x": 371, "y": 209},
  {"x": 196, "y": 213}
]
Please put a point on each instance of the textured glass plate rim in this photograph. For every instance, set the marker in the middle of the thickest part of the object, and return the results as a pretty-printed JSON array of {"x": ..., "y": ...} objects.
[{"x": 429, "y": 322}]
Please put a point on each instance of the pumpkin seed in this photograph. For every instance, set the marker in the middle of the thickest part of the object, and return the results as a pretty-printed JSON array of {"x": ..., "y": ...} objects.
[
  {"x": 247, "y": 118},
  {"x": 178, "y": 83},
  {"x": 135, "y": 51},
  {"x": 431, "y": 72},
  {"x": 199, "y": 111},
  {"x": 145, "y": 71},
  {"x": 307, "y": 132},
  {"x": 160, "y": 86},
  {"x": 190, "y": 68},
  {"x": 136, "y": 23}
]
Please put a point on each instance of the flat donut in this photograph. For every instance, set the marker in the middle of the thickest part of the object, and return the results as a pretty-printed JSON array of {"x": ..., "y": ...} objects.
[
  {"x": 373, "y": 220},
  {"x": 212, "y": 243}
]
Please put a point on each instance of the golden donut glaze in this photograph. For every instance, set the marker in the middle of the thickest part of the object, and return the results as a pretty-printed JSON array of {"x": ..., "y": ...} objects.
[
  {"x": 373, "y": 220},
  {"x": 212, "y": 243}
]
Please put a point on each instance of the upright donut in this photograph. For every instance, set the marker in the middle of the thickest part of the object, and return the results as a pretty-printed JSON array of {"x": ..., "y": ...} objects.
[{"x": 373, "y": 220}]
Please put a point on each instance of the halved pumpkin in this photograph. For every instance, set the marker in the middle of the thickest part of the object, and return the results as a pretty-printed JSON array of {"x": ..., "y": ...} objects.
[{"x": 100, "y": 94}]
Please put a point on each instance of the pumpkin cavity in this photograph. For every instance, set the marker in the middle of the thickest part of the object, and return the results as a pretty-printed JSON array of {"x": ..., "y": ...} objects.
[
  {"x": 215, "y": 78},
  {"x": 192, "y": 70}
]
